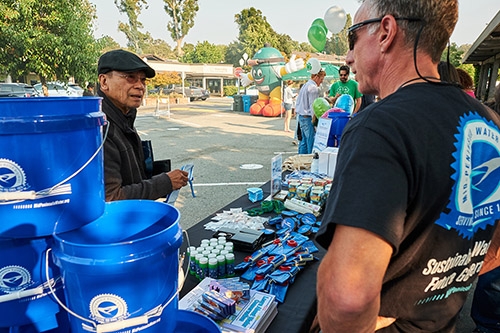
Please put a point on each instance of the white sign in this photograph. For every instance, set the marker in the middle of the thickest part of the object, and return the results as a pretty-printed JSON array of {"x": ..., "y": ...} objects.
[{"x": 322, "y": 134}]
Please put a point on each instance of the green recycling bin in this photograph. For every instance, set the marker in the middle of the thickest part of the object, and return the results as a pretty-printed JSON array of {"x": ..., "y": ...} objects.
[{"x": 237, "y": 103}]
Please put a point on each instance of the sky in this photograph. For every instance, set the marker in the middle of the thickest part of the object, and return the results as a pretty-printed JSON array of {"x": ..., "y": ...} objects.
[{"x": 214, "y": 21}]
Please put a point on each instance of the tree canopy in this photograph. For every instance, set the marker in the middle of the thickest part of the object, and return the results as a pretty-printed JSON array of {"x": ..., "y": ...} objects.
[
  {"x": 205, "y": 53},
  {"x": 50, "y": 38},
  {"x": 132, "y": 8},
  {"x": 182, "y": 13}
]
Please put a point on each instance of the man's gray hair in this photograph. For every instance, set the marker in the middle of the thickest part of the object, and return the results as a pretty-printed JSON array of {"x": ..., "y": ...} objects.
[{"x": 439, "y": 18}]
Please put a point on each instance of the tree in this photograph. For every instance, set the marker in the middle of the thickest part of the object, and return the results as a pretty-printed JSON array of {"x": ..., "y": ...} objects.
[
  {"x": 107, "y": 43},
  {"x": 286, "y": 44},
  {"x": 254, "y": 31},
  {"x": 455, "y": 55},
  {"x": 50, "y": 38},
  {"x": 132, "y": 8},
  {"x": 164, "y": 79},
  {"x": 182, "y": 13},
  {"x": 338, "y": 43},
  {"x": 204, "y": 53},
  {"x": 158, "y": 47}
]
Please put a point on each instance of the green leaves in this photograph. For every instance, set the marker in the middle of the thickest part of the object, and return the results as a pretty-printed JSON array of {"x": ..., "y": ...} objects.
[{"x": 50, "y": 38}]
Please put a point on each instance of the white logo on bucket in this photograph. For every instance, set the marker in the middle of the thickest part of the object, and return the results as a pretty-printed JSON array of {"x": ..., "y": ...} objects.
[
  {"x": 12, "y": 176},
  {"x": 108, "y": 308},
  {"x": 14, "y": 278}
]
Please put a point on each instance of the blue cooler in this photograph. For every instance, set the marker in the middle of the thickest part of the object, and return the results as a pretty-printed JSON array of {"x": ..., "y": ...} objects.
[{"x": 339, "y": 120}]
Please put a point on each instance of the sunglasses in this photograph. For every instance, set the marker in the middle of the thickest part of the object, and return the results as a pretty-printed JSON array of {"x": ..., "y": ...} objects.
[
  {"x": 133, "y": 78},
  {"x": 351, "y": 32}
]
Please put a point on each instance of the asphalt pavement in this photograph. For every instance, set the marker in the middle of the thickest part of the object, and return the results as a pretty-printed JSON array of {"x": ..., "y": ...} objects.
[{"x": 230, "y": 150}]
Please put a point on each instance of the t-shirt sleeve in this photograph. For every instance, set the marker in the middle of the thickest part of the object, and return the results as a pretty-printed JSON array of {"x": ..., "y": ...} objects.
[{"x": 369, "y": 189}]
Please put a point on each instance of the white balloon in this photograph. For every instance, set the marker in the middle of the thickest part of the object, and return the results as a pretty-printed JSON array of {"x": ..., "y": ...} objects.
[
  {"x": 335, "y": 18},
  {"x": 313, "y": 66}
]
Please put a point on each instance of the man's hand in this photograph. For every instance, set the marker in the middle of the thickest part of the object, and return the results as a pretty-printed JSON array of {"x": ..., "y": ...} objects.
[{"x": 178, "y": 178}]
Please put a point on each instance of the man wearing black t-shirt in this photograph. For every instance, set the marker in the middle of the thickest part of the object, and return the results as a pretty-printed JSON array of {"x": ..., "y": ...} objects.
[{"x": 415, "y": 197}]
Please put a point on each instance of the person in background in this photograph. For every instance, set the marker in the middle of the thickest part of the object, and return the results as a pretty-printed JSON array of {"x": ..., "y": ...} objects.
[
  {"x": 90, "y": 90},
  {"x": 407, "y": 238},
  {"x": 288, "y": 98},
  {"x": 448, "y": 72},
  {"x": 122, "y": 84},
  {"x": 345, "y": 86},
  {"x": 466, "y": 82},
  {"x": 45, "y": 90},
  {"x": 307, "y": 94},
  {"x": 485, "y": 308}
]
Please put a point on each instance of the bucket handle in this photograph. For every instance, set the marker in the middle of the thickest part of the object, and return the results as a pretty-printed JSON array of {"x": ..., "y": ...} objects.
[
  {"x": 118, "y": 325},
  {"x": 32, "y": 195},
  {"x": 40, "y": 290}
]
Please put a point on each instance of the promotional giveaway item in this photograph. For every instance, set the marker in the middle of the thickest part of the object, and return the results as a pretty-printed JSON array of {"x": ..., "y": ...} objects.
[
  {"x": 51, "y": 164},
  {"x": 25, "y": 293},
  {"x": 120, "y": 272}
]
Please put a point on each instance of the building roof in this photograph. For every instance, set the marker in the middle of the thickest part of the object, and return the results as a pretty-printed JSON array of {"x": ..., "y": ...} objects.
[{"x": 487, "y": 45}]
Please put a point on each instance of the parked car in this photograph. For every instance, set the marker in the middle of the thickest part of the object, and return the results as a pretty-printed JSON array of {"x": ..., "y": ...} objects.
[
  {"x": 17, "y": 90},
  {"x": 193, "y": 93},
  {"x": 162, "y": 90},
  {"x": 61, "y": 89},
  {"x": 204, "y": 93}
]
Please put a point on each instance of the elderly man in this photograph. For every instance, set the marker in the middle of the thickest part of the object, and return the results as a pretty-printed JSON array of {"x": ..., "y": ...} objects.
[
  {"x": 122, "y": 83},
  {"x": 415, "y": 196},
  {"x": 304, "y": 109}
]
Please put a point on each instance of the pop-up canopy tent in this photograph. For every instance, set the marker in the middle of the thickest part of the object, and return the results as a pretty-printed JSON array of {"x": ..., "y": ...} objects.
[{"x": 332, "y": 72}]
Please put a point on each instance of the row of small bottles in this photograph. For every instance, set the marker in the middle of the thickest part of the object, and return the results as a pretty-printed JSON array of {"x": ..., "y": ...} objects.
[{"x": 214, "y": 258}]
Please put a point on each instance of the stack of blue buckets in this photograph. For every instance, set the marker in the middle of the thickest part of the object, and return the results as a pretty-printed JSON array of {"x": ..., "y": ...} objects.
[{"x": 69, "y": 262}]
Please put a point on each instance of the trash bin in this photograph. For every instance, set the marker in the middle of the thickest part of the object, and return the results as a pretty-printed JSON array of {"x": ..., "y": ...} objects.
[
  {"x": 253, "y": 99},
  {"x": 246, "y": 103},
  {"x": 237, "y": 103}
]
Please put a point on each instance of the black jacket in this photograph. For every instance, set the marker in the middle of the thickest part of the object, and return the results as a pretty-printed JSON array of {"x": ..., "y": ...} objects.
[{"x": 124, "y": 169}]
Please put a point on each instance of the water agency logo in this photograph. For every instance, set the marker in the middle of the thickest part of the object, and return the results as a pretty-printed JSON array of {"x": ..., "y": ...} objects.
[
  {"x": 106, "y": 308},
  {"x": 475, "y": 198},
  {"x": 14, "y": 278},
  {"x": 12, "y": 176}
]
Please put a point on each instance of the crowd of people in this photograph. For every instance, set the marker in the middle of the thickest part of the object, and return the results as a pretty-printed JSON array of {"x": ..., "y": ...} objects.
[{"x": 398, "y": 226}]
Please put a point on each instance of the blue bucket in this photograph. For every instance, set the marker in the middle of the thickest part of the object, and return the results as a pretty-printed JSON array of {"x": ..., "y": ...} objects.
[
  {"x": 339, "y": 120},
  {"x": 120, "y": 272},
  {"x": 51, "y": 165},
  {"x": 25, "y": 296},
  {"x": 193, "y": 322}
]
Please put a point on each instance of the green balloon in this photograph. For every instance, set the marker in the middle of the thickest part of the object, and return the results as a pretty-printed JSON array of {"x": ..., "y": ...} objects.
[
  {"x": 320, "y": 106},
  {"x": 321, "y": 23},
  {"x": 317, "y": 37}
]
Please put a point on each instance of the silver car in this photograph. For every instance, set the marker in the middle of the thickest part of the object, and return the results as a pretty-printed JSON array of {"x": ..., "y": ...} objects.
[{"x": 61, "y": 89}]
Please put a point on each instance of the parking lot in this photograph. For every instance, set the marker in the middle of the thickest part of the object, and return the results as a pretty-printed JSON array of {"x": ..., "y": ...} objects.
[{"x": 226, "y": 148}]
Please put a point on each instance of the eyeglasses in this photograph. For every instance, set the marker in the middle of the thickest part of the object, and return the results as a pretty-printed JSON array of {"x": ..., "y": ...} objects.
[
  {"x": 133, "y": 78},
  {"x": 351, "y": 32}
]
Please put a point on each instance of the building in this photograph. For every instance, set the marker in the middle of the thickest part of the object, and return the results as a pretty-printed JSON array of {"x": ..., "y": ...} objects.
[
  {"x": 485, "y": 55},
  {"x": 212, "y": 77}
]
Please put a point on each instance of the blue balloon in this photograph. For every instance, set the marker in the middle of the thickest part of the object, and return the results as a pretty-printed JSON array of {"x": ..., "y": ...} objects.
[{"x": 345, "y": 102}]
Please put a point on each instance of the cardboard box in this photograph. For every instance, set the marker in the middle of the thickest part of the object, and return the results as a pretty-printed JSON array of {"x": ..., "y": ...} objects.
[{"x": 328, "y": 161}]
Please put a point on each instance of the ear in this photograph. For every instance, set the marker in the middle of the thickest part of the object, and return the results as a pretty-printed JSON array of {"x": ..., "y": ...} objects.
[
  {"x": 387, "y": 33},
  {"x": 103, "y": 82}
]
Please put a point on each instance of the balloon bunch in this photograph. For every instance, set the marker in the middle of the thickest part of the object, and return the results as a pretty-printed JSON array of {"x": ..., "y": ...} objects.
[{"x": 333, "y": 21}]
